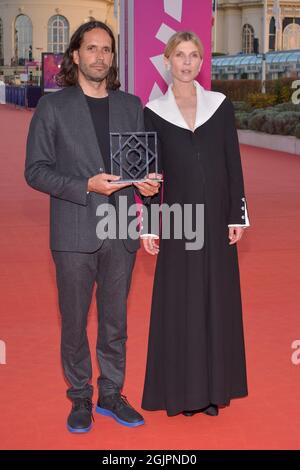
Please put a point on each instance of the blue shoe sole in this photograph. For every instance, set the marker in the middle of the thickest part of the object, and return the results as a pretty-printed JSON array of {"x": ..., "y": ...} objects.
[
  {"x": 104, "y": 412},
  {"x": 78, "y": 430}
]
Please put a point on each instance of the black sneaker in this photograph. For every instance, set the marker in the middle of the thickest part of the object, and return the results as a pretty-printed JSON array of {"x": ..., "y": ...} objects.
[
  {"x": 80, "y": 418},
  {"x": 117, "y": 407}
]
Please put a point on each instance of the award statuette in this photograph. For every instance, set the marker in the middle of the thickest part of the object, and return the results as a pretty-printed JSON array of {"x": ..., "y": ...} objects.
[{"x": 133, "y": 156}]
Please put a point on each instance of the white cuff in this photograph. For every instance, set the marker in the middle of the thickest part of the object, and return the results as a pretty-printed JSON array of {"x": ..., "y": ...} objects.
[
  {"x": 244, "y": 207},
  {"x": 244, "y": 216}
]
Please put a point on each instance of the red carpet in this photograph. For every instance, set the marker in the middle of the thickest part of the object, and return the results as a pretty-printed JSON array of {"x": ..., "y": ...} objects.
[{"x": 33, "y": 407}]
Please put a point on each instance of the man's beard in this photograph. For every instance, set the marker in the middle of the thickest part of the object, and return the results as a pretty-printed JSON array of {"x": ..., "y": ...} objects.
[{"x": 99, "y": 78}]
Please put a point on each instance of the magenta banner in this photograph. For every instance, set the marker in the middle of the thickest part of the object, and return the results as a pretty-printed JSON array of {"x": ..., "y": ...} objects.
[
  {"x": 154, "y": 22},
  {"x": 50, "y": 68}
]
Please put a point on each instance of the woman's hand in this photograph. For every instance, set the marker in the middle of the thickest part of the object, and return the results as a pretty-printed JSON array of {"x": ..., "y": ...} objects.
[
  {"x": 235, "y": 234},
  {"x": 150, "y": 245}
]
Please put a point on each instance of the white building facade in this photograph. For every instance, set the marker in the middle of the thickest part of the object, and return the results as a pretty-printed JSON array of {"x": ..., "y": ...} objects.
[
  {"x": 238, "y": 26},
  {"x": 29, "y": 27}
]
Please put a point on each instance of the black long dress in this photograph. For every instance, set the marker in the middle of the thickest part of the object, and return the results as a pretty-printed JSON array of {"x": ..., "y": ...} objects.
[{"x": 196, "y": 347}]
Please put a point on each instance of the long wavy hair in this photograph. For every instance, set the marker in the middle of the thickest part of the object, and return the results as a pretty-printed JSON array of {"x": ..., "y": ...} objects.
[{"x": 68, "y": 74}]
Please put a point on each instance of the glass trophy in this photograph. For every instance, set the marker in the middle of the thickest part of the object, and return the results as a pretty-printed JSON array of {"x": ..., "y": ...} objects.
[{"x": 133, "y": 156}]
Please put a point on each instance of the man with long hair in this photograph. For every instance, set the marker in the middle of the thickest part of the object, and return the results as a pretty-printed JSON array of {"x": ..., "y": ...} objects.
[{"x": 68, "y": 157}]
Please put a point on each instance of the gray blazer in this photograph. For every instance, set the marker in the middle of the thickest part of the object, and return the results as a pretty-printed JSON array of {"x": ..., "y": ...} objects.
[{"x": 63, "y": 153}]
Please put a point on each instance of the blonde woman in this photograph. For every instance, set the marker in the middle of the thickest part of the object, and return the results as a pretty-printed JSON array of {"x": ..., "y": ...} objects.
[{"x": 196, "y": 358}]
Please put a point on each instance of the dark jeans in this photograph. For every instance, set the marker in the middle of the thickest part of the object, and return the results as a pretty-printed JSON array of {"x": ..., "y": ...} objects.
[{"x": 76, "y": 273}]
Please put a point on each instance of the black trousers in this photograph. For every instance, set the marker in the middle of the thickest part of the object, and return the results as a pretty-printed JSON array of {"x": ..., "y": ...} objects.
[{"x": 76, "y": 273}]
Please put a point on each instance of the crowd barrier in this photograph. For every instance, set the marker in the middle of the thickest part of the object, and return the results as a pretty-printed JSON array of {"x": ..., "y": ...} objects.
[{"x": 23, "y": 96}]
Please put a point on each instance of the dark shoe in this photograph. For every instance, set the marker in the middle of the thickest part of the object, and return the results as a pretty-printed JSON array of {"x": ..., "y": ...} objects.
[
  {"x": 80, "y": 418},
  {"x": 117, "y": 407},
  {"x": 211, "y": 410}
]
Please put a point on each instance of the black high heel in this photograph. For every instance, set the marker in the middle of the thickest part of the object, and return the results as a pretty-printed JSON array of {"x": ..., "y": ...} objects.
[
  {"x": 211, "y": 410},
  {"x": 189, "y": 413}
]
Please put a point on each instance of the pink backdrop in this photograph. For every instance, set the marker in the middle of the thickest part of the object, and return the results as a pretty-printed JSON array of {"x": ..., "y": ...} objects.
[{"x": 148, "y": 17}]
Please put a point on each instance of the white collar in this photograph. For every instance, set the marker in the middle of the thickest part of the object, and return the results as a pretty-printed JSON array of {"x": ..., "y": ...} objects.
[{"x": 207, "y": 104}]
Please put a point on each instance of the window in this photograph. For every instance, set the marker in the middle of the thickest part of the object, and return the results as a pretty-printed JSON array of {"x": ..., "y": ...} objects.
[
  {"x": 1, "y": 42},
  {"x": 23, "y": 38},
  {"x": 248, "y": 39},
  {"x": 291, "y": 36},
  {"x": 272, "y": 34},
  {"x": 58, "y": 34},
  {"x": 288, "y": 20}
]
